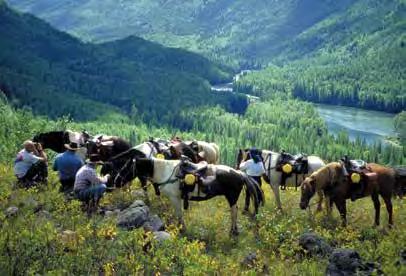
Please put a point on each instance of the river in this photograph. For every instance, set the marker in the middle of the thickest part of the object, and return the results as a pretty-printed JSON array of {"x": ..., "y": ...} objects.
[{"x": 373, "y": 126}]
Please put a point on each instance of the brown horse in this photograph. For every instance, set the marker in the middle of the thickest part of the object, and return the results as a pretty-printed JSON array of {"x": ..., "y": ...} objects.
[{"x": 337, "y": 187}]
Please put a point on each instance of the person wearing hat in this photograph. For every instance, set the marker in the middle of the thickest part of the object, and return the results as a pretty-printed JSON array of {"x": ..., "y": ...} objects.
[
  {"x": 30, "y": 164},
  {"x": 88, "y": 185},
  {"x": 67, "y": 164},
  {"x": 254, "y": 168}
]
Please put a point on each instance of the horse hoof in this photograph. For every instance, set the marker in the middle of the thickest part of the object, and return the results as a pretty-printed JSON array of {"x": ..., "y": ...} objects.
[
  {"x": 234, "y": 232},
  {"x": 246, "y": 212}
]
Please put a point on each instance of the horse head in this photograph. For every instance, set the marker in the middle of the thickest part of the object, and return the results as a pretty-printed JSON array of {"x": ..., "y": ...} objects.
[
  {"x": 242, "y": 156},
  {"x": 308, "y": 189}
]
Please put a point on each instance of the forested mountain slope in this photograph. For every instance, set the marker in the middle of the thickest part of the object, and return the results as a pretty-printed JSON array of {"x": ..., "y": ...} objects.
[
  {"x": 355, "y": 58},
  {"x": 56, "y": 74},
  {"x": 242, "y": 29}
]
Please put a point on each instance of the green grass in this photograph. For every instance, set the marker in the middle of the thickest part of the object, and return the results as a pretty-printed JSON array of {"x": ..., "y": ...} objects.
[{"x": 32, "y": 242}]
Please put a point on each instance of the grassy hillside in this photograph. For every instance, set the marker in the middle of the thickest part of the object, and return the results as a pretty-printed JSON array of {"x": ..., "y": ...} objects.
[
  {"x": 56, "y": 74},
  {"x": 31, "y": 241}
]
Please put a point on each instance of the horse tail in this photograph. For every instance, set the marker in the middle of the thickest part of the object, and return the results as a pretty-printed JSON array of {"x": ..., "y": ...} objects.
[
  {"x": 400, "y": 181},
  {"x": 255, "y": 191}
]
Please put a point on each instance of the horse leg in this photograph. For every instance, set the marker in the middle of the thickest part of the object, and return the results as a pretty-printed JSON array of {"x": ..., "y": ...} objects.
[
  {"x": 275, "y": 189},
  {"x": 329, "y": 206},
  {"x": 388, "y": 203},
  {"x": 320, "y": 202},
  {"x": 342, "y": 208},
  {"x": 234, "y": 227},
  {"x": 177, "y": 204},
  {"x": 247, "y": 201},
  {"x": 377, "y": 206}
]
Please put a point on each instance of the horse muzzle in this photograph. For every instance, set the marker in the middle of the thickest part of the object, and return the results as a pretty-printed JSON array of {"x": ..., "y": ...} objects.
[{"x": 304, "y": 205}]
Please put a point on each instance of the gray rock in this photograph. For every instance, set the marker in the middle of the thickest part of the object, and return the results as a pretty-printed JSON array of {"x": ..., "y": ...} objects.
[
  {"x": 162, "y": 236},
  {"x": 109, "y": 214},
  {"x": 154, "y": 224},
  {"x": 345, "y": 262},
  {"x": 134, "y": 216},
  {"x": 139, "y": 194},
  {"x": 250, "y": 259},
  {"x": 11, "y": 211},
  {"x": 137, "y": 203},
  {"x": 314, "y": 245},
  {"x": 45, "y": 214}
]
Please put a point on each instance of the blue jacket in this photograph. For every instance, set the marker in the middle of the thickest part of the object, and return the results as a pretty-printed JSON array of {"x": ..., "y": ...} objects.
[{"x": 67, "y": 164}]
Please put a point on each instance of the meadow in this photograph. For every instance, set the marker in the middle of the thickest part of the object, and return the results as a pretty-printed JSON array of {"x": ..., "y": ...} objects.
[{"x": 32, "y": 241}]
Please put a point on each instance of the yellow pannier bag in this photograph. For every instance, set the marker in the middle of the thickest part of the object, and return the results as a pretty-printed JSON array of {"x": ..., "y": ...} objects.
[
  {"x": 355, "y": 177},
  {"x": 160, "y": 156},
  {"x": 287, "y": 168},
  {"x": 190, "y": 179}
]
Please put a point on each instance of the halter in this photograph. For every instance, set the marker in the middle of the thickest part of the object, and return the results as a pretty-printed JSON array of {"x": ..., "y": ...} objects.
[{"x": 134, "y": 169}]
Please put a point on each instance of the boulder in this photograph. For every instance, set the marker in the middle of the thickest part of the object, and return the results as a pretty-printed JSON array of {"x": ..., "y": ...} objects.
[
  {"x": 154, "y": 224},
  {"x": 345, "y": 262},
  {"x": 134, "y": 216},
  {"x": 314, "y": 245},
  {"x": 11, "y": 211},
  {"x": 162, "y": 236}
]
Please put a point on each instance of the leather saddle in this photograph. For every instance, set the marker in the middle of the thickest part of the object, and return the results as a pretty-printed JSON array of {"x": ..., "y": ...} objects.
[
  {"x": 189, "y": 167},
  {"x": 298, "y": 162},
  {"x": 196, "y": 172}
]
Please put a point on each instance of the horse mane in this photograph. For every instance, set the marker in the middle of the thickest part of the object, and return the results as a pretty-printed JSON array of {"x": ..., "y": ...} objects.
[{"x": 326, "y": 175}]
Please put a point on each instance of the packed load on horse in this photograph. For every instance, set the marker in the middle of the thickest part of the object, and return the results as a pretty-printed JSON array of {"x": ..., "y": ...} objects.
[
  {"x": 289, "y": 164},
  {"x": 334, "y": 180},
  {"x": 359, "y": 174}
]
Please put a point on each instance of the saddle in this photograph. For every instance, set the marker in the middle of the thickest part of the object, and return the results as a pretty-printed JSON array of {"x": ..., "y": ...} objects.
[
  {"x": 290, "y": 164},
  {"x": 359, "y": 174},
  {"x": 190, "y": 175}
]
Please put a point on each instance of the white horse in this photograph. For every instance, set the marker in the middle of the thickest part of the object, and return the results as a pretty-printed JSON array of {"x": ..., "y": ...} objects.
[
  {"x": 271, "y": 158},
  {"x": 150, "y": 150},
  {"x": 219, "y": 180}
]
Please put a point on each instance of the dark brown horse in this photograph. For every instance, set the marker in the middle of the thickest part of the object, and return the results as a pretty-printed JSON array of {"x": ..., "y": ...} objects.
[
  {"x": 55, "y": 140},
  {"x": 107, "y": 146},
  {"x": 338, "y": 187}
]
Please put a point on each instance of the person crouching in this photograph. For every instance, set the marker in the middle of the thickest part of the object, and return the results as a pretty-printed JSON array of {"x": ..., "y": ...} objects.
[
  {"x": 68, "y": 164},
  {"x": 89, "y": 187},
  {"x": 30, "y": 165}
]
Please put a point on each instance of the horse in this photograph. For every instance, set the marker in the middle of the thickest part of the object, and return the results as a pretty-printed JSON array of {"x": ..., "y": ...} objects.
[
  {"x": 107, "y": 146},
  {"x": 56, "y": 140},
  {"x": 338, "y": 188},
  {"x": 274, "y": 177},
  {"x": 196, "y": 150},
  {"x": 219, "y": 180},
  {"x": 152, "y": 148}
]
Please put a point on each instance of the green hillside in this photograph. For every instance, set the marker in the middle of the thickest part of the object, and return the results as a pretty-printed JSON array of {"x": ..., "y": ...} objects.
[
  {"x": 56, "y": 74},
  {"x": 355, "y": 58},
  {"x": 224, "y": 29}
]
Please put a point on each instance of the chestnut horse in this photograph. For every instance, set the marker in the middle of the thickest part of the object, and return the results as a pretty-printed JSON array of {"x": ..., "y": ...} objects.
[{"x": 338, "y": 188}]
